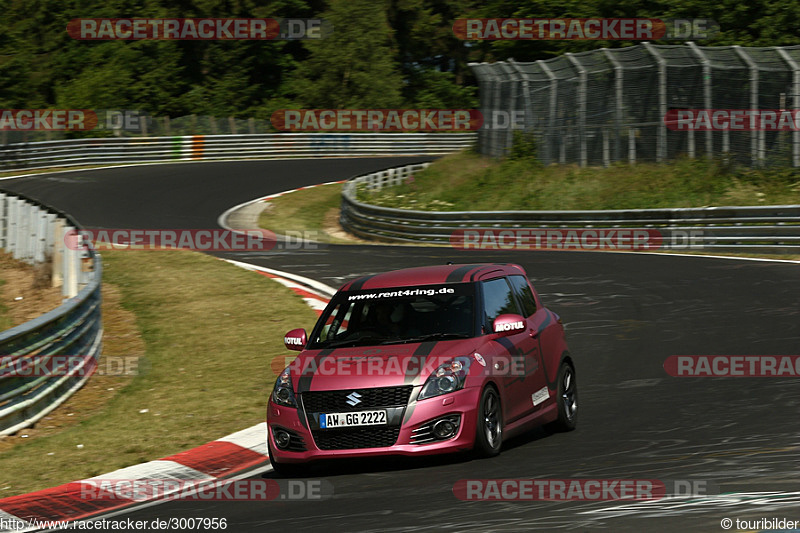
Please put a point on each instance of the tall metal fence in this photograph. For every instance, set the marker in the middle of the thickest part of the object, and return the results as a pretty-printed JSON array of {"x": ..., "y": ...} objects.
[{"x": 597, "y": 107}]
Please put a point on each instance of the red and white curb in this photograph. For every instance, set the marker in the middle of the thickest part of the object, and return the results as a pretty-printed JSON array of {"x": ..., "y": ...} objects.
[
  {"x": 277, "y": 194},
  {"x": 213, "y": 461},
  {"x": 219, "y": 459},
  {"x": 314, "y": 293}
]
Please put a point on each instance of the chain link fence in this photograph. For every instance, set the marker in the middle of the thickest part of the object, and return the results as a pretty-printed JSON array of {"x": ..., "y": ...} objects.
[{"x": 593, "y": 108}]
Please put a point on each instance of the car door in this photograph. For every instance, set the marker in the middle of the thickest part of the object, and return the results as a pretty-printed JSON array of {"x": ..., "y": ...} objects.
[
  {"x": 536, "y": 318},
  {"x": 518, "y": 353}
]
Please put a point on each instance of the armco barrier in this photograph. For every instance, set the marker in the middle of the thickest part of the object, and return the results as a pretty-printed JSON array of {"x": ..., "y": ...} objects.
[
  {"x": 765, "y": 229},
  {"x": 35, "y": 233},
  {"x": 120, "y": 150}
]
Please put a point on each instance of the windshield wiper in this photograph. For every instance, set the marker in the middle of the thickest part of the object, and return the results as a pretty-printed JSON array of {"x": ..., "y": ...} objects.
[{"x": 431, "y": 337}]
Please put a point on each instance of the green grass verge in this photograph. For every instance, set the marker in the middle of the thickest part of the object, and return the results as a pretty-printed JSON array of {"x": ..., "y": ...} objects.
[
  {"x": 207, "y": 371},
  {"x": 468, "y": 182},
  {"x": 314, "y": 210}
]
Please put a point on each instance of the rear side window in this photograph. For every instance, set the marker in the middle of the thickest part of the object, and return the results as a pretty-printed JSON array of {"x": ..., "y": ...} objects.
[
  {"x": 497, "y": 300},
  {"x": 524, "y": 294}
]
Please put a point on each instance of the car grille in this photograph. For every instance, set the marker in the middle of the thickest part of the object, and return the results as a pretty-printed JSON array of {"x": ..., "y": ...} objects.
[
  {"x": 353, "y": 438},
  {"x": 336, "y": 401},
  {"x": 356, "y": 437},
  {"x": 296, "y": 442}
]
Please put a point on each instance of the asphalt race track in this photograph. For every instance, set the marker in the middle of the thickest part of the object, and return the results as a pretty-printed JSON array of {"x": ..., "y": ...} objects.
[{"x": 624, "y": 313}]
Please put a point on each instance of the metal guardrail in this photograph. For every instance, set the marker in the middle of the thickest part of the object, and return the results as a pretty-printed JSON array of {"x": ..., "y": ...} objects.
[
  {"x": 122, "y": 150},
  {"x": 35, "y": 375},
  {"x": 765, "y": 229}
]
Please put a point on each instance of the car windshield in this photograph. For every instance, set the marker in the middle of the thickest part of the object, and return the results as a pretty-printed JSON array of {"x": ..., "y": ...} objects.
[{"x": 397, "y": 315}]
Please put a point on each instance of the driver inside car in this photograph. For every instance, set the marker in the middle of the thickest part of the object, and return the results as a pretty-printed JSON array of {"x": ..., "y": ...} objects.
[{"x": 388, "y": 319}]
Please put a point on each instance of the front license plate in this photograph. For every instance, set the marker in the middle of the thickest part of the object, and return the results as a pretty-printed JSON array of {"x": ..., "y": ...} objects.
[{"x": 359, "y": 418}]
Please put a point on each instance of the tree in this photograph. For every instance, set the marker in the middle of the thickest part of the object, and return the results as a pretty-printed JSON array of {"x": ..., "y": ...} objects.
[{"x": 353, "y": 67}]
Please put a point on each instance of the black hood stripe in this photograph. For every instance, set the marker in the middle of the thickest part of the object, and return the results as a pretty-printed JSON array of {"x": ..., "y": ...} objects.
[
  {"x": 507, "y": 344},
  {"x": 419, "y": 357},
  {"x": 304, "y": 381},
  {"x": 418, "y": 361},
  {"x": 459, "y": 273},
  {"x": 359, "y": 283}
]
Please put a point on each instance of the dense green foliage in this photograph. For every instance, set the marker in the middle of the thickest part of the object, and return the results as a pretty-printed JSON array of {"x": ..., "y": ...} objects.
[{"x": 382, "y": 53}]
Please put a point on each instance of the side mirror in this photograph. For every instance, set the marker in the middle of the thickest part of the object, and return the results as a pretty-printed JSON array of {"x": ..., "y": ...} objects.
[
  {"x": 295, "y": 339},
  {"x": 510, "y": 324}
]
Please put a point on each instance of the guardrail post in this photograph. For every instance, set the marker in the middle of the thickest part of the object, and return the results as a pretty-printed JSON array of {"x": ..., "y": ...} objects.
[
  {"x": 33, "y": 226},
  {"x": 3, "y": 221},
  {"x": 50, "y": 240},
  {"x": 70, "y": 264},
  {"x": 59, "y": 244},
  {"x": 41, "y": 236},
  {"x": 13, "y": 226}
]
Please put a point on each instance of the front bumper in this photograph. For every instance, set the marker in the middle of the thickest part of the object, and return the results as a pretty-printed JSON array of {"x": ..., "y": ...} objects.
[{"x": 417, "y": 414}]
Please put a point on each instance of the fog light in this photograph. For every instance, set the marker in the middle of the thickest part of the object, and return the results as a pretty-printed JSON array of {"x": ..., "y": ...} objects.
[
  {"x": 444, "y": 429},
  {"x": 282, "y": 439}
]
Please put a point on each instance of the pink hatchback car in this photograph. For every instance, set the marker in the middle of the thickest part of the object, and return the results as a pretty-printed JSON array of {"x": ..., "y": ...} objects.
[{"x": 422, "y": 361}]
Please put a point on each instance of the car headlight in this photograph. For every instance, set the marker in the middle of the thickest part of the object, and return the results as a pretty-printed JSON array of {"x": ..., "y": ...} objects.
[
  {"x": 283, "y": 393},
  {"x": 449, "y": 377}
]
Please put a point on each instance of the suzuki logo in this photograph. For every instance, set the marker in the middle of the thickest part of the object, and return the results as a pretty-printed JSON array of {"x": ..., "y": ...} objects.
[{"x": 353, "y": 399}]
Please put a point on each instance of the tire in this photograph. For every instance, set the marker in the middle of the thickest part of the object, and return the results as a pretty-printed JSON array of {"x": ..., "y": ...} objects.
[
  {"x": 489, "y": 426},
  {"x": 287, "y": 470},
  {"x": 567, "y": 400}
]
